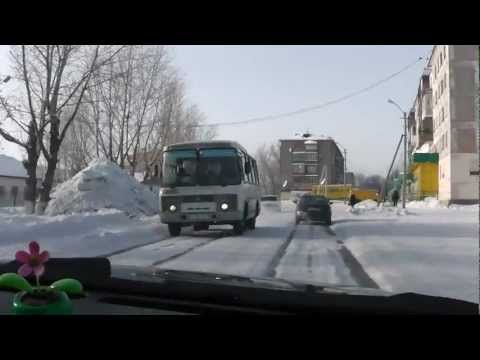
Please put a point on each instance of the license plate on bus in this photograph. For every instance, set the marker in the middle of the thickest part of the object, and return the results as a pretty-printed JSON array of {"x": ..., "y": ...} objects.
[{"x": 198, "y": 217}]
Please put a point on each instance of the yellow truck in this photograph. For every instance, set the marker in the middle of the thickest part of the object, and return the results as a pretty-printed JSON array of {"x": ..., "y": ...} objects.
[{"x": 341, "y": 192}]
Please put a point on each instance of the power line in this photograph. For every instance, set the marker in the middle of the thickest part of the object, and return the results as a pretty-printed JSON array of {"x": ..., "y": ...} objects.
[{"x": 314, "y": 107}]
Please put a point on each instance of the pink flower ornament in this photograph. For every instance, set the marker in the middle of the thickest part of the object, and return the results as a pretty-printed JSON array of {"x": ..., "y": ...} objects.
[{"x": 32, "y": 262}]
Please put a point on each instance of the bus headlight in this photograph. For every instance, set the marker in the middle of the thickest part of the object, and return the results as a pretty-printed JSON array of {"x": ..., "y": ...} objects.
[
  {"x": 173, "y": 208},
  {"x": 224, "y": 206}
]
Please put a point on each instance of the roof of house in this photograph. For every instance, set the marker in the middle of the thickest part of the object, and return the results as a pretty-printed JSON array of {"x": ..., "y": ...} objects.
[{"x": 11, "y": 167}]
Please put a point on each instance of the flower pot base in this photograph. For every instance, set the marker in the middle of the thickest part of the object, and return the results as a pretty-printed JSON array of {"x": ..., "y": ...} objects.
[{"x": 42, "y": 301}]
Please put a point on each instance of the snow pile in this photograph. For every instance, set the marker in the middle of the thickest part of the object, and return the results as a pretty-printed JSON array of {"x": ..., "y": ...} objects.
[
  {"x": 10, "y": 166},
  {"x": 464, "y": 207},
  {"x": 427, "y": 203},
  {"x": 366, "y": 204},
  {"x": 370, "y": 207},
  {"x": 102, "y": 185},
  {"x": 77, "y": 235}
]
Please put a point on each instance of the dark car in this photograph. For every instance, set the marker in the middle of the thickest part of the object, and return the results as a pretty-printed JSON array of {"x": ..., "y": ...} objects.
[{"x": 312, "y": 208}]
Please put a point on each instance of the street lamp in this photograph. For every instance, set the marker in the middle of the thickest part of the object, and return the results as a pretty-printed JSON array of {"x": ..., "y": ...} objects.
[{"x": 390, "y": 101}]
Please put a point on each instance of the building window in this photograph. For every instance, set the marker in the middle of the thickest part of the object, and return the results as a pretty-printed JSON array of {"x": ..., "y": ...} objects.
[
  {"x": 305, "y": 156},
  {"x": 14, "y": 193},
  {"x": 306, "y": 180},
  {"x": 298, "y": 168},
  {"x": 311, "y": 169}
]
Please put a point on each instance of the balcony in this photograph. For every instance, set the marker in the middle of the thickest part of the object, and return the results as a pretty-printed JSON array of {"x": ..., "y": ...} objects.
[
  {"x": 427, "y": 105},
  {"x": 425, "y": 132}
]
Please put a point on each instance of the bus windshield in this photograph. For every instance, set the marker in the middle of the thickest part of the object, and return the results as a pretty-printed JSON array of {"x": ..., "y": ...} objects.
[{"x": 206, "y": 168}]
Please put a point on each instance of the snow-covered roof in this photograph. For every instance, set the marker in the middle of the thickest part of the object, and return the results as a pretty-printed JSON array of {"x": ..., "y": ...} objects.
[
  {"x": 10, "y": 166},
  {"x": 425, "y": 148}
]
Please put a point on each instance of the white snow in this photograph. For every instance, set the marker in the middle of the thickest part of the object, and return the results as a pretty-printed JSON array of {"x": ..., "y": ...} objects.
[
  {"x": 102, "y": 185},
  {"x": 433, "y": 250},
  {"x": 10, "y": 166},
  {"x": 429, "y": 250},
  {"x": 310, "y": 261},
  {"x": 248, "y": 255},
  {"x": 366, "y": 204},
  {"x": 428, "y": 202},
  {"x": 425, "y": 148},
  {"x": 86, "y": 234}
]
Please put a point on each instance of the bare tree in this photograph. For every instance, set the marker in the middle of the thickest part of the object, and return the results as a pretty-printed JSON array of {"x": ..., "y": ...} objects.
[
  {"x": 138, "y": 106},
  {"x": 53, "y": 81},
  {"x": 268, "y": 162},
  {"x": 77, "y": 149}
]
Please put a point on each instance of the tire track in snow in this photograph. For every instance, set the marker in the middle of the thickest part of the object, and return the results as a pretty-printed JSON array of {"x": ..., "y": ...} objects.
[
  {"x": 271, "y": 269},
  {"x": 176, "y": 256},
  {"x": 356, "y": 269},
  {"x": 130, "y": 248}
]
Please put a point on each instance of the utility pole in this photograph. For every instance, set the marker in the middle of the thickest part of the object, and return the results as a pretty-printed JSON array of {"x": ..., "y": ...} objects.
[
  {"x": 383, "y": 194},
  {"x": 404, "y": 178},
  {"x": 344, "y": 175}
]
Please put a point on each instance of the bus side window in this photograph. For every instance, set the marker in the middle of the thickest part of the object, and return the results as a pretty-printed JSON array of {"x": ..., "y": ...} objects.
[
  {"x": 241, "y": 162},
  {"x": 250, "y": 175},
  {"x": 252, "y": 163},
  {"x": 255, "y": 172},
  {"x": 248, "y": 166}
]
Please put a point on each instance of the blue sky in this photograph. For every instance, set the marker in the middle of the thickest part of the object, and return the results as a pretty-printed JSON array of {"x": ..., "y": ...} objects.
[{"x": 234, "y": 83}]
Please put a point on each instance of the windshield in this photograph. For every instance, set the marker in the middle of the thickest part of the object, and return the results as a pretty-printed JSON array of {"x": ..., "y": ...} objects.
[
  {"x": 206, "y": 168},
  {"x": 352, "y": 166},
  {"x": 307, "y": 201}
]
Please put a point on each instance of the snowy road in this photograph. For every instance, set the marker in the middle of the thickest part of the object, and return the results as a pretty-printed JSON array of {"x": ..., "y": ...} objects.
[
  {"x": 276, "y": 248},
  {"x": 218, "y": 250},
  {"x": 313, "y": 256}
]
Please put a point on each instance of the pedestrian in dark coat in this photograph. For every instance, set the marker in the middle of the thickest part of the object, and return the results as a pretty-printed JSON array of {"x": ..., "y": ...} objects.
[
  {"x": 395, "y": 197},
  {"x": 353, "y": 200}
]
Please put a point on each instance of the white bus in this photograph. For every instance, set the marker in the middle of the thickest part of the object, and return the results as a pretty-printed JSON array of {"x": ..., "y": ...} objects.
[{"x": 209, "y": 183}]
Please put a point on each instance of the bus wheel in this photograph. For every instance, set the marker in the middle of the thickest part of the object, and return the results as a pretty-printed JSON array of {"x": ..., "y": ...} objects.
[
  {"x": 239, "y": 227},
  {"x": 174, "y": 229}
]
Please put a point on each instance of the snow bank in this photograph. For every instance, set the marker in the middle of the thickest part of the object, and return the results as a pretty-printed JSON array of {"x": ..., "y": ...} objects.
[
  {"x": 77, "y": 235},
  {"x": 102, "y": 185},
  {"x": 427, "y": 203},
  {"x": 366, "y": 204},
  {"x": 370, "y": 207}
]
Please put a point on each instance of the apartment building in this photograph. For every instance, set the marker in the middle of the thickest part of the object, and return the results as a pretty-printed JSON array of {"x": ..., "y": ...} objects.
[
  {"x": 304, "y": 161},
  {"x": 420, "y": 118},
  {"x": 454, "y": 83}
]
